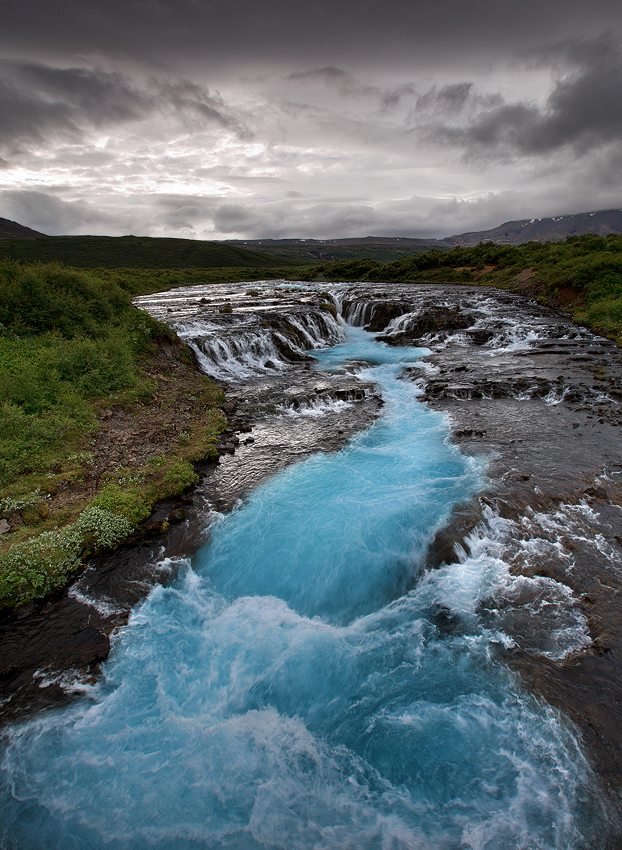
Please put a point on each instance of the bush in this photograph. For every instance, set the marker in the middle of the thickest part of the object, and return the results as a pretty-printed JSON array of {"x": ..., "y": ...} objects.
[
  {"x": 127, "y": 502},
  {"x": 51, "y": 297},
  {"x": 32, "y": 569},
  {"x": 102, "y": 529},
  {"x": 178, "y": 477}
]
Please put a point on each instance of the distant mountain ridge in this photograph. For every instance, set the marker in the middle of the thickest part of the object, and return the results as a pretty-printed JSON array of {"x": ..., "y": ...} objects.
[
  {"x": 23, "y": 243},
  {"x": 381, "y": 248},
  {"x": 553, "y": 229},
  {"x": 386, "y": 248},
  {"x": 13, "y": 230}
]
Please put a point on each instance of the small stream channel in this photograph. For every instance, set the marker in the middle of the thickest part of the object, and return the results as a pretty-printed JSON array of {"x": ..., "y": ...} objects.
[{"x": 304, "y": 683}]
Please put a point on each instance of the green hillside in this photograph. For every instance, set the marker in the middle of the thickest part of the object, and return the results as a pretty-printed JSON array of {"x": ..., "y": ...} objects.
[
  {"x": 131, "y": 252},
  {"x": 79, "y": 367}
]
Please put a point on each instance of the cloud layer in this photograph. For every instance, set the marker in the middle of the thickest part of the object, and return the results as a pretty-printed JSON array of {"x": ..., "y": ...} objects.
[{"x": 264, "y": 120}]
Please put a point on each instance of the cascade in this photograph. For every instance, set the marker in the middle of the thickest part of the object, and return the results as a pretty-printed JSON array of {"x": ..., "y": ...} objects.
[
  {"x": 260, "y": 346},
  {"x": 303, "y": 683}
]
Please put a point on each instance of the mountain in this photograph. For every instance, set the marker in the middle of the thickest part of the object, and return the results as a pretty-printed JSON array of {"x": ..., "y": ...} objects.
[
  {"x": 384, "y": 249},
  {"x": 22, "y": 243},
  {"x": 13, "y": 230},
  {"x": 543, "y": 229}
]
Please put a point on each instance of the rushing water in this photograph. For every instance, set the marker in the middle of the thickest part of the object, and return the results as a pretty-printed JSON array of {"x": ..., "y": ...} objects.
[{"x": 304, "y": 684}]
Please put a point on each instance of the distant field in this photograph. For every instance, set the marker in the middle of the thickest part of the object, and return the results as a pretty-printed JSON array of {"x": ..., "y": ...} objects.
[
  {"x": 132, "y": 252},
  {"x": 379, "y": 248}
]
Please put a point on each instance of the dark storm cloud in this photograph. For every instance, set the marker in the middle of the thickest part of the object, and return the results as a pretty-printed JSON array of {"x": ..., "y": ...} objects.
[
  {"x": 38, "y": 101},
  {"x": 244, "y": 32},
  {"x": 582, "y": 111}
]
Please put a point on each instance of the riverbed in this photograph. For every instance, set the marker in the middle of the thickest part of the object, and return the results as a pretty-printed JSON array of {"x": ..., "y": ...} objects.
[{"x": 353, "y": 650}]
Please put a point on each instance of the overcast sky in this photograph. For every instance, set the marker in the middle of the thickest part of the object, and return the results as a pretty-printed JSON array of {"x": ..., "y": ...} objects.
[{"x": 221, "y": 119}]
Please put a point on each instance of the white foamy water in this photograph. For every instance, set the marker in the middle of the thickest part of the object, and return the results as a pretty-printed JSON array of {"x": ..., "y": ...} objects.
[{"x": 304, "y": 684}]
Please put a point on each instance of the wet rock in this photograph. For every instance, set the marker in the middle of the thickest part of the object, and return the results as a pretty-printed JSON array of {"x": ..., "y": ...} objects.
[
  {"x": 176, "y": 515},
  {"x": 384, "y": 313},
  {"x": 596, "y": 492},
  {"x": 153, "y": 528},
  {"x": 464, "y": 433},
  {"x": 431, "y": 320},
  {"x": 91, "y": 646},
  {"x": 463, "y": 520},
  {"x": 445, "y": 620},
  {"x": 329, "y": 308},
  {"x": 480, "y": 336}
]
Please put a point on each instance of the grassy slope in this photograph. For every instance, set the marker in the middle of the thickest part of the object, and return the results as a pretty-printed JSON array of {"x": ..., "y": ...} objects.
[
  {"x": 79, "y": 368},
  {"x": 582, "y": 274},
  {"x": 137, "y": 252}
]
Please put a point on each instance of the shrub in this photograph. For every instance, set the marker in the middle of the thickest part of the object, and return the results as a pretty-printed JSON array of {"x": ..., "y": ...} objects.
[
  {"x": 102, "y": 529},
  {"x": 127, "y": 502},
  {"x": 32, "y": 569},
  {"x": 180, "y": 475},
  {"x": 38, "y": 298}
]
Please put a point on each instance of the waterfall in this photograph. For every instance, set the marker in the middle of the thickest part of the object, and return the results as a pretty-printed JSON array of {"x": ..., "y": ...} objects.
[{"x": 239, "y": 351}]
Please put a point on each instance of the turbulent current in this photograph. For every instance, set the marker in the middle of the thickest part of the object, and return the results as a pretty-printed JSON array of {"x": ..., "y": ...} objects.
[{"x": 304, "y": 683}]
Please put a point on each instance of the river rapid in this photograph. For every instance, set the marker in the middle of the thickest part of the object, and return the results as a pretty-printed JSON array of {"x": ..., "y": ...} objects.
[{"x": 303, "y": 681}]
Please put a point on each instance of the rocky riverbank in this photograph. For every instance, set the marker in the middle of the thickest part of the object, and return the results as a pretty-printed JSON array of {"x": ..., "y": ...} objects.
[
  {"x": 540, "y": 397},
  {"x": 51, "y": 649},
  {"x": 522, "y": 385}
]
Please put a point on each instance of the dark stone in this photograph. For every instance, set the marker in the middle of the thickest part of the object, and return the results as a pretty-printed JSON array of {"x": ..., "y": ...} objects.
[
  {"x": 432, "y": 320},
  {"x": 91, "y": 646},
  {"x": 463, "y": 520},
  {"x": 155, "y": 527},
  {"x": 384, "y": 313},
  {"x": 480, "y": 336},
  {"x": 176, "y": 515},
  {"x": 596, "y": 492}
]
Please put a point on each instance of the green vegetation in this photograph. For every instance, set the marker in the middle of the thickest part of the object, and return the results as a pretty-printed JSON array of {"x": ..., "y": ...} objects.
[
  {"x": 132, "y": 252},
  {"x": 382, "y": 249},
  {"x": 102, "y": 414},
  {"x": 583, "y": 273},
  {"x": 75, "y": 358},
  {"x": 66, "y": 338}
]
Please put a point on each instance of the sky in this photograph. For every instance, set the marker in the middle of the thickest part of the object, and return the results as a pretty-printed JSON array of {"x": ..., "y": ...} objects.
[{"x": 255, "y": 119}]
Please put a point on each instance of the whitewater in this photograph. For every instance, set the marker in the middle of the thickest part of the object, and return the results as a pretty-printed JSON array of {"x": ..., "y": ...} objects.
[{"x": 302, "y": 682}]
